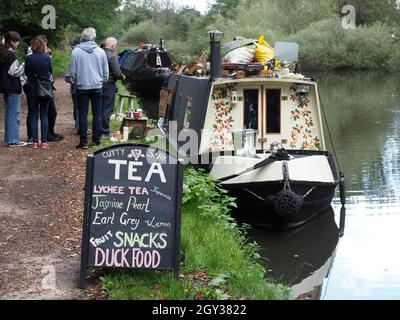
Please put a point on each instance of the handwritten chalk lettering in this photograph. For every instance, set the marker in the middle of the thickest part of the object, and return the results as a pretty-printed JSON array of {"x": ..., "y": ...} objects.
[
  {"x": 99, "y": 241},
  {"x": 145, "y": 240},
  {"x": 125, "y": 221},
  {"x": 138, "y": 191},
  {"x": 101, "y": 219},
  {"x": 157, "y": 191},
  {"x": 106, "y": 204},
  {"x": 134, "y": 205},
  {"x": 148, "y": 259},
  {"x": 111, "y": 258},
  {"x": 109, "y": 190},
  {"x": 155, "y": 169},
  {"x": 158, "y": 224},
  {"x": 120, "y": 258},
  {"x": 154, "y": 154},
  {"x": 113, "y": 153}
]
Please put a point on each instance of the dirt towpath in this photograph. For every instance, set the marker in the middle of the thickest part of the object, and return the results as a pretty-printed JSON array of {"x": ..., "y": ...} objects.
[{"x": 41, "y": 201}]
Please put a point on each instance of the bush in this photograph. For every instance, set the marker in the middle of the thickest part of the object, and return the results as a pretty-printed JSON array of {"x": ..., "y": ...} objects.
[
  {"x": 315, "y": 25},
  {"x": 61, "y": 60},
  {"x": 145, "y": 31},
  {"x": 326, "y": 45}
]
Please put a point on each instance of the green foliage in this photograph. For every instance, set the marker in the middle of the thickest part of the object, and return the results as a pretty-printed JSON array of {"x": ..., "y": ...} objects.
[
  {"x": 315, "y": 25},
  {"x": 225, "y": 8},
  {"x": 200, "y": 190},
  {"x": 217, "y": 262},
  {"x": 26, "y": 17},
  {"x": 61, "y": 59},
  {"x": 371, "y": 11},
  {"x": 145, "y": 31},
  {"x": 325, "y": 45}
]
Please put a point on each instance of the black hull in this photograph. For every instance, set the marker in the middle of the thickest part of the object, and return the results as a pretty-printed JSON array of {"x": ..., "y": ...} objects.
[
  {"x": 252, "y": 209},
  {"x": 253, "y": 198}
]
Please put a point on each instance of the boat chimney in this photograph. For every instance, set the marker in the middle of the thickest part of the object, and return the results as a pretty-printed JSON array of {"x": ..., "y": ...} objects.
[{"x": 215, "y": 57}]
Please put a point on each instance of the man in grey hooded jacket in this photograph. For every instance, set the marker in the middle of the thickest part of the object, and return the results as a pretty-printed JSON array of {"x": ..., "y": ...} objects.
[{"x": 88, "y": 71}]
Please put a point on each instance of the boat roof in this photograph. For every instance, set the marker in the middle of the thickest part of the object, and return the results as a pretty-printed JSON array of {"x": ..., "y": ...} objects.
[{"x": 306, "y": 81}]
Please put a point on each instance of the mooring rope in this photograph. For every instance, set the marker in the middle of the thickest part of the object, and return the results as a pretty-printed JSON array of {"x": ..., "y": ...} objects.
[
  {"x": 329, "y": 130},
  {"x": 341, "y": 174}
]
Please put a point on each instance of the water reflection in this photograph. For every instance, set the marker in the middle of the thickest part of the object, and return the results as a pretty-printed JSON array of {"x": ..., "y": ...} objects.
[
  {"x": 363, "y": 111},
  {"x": 301, "y": 258}
]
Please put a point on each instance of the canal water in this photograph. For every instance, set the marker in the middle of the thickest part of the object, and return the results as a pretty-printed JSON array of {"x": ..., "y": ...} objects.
[{"x": 363, "y": 113}]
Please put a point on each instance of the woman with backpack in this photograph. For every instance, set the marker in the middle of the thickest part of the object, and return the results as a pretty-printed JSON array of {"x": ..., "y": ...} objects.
[{"x": 10, "y": 86}]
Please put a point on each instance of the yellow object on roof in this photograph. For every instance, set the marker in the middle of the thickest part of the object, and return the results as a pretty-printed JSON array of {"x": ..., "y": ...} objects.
[{"x": 264, "y": 52}]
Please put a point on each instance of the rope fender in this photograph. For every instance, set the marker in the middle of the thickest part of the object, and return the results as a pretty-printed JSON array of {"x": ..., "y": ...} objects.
[{"x": 286, "y": 203}]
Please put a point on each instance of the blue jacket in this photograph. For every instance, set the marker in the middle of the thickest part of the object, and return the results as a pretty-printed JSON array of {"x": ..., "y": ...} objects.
[
  {"x": 89, "y": 66},
  {"x": 38, "y": 64}
]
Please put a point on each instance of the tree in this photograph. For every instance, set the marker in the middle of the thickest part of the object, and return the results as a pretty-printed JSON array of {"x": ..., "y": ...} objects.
[
  {"x": 25, "y": 16},
  {"x": 370, "y": 11},
  {"x": 181, "y": 23},
  {"x": 225, "y": 8}
]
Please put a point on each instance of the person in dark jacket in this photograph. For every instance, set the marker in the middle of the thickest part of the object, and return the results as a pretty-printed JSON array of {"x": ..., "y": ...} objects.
[
  {"x": 38, "y": 67},
  {"x": 110, "y": 87},
  {"x": 10, "y": 86},
  {"x": 74, "y": 102},
  {"x": 52, "y": 115}
]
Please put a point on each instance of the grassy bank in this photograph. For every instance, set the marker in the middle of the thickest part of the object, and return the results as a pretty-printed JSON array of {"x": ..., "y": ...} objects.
[{"x": 217, "y": 263}]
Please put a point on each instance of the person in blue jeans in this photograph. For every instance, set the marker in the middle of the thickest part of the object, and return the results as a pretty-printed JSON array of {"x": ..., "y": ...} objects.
[
  {"x": 88, "y": 71},
  {"x": 38, "y": 67},
  {"x": 74, "y": 102},
  {"x": 10, "y": 86}
]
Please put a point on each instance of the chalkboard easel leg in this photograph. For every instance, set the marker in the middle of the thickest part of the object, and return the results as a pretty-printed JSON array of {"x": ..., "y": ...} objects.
[
  {"x": 86, "y": 221},
  {"x": 178, "y": 219},
  {"x": 82, "y": 279}
]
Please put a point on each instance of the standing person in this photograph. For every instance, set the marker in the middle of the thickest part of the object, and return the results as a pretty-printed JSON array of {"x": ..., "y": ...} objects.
[
  {"x": 74, "y": 102},
  {"x": 110, "y": 87},
  {"x": 38, "y": 67},
  {"x": 10, "y": 86},
  {"x": 24, "y": 88},
  {"x": 88, "y": 71},
  {"x": 52, "y": 114}
]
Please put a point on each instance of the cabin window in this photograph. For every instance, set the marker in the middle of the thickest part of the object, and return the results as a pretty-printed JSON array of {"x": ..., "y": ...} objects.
[
  {"x": 251, "y": 109},
  {"x": 273, "y": 110},
  {"x": 188, "y": 113}
]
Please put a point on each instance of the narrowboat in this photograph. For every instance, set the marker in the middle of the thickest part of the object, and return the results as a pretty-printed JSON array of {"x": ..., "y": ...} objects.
[
  {"x": 147, "y": 69},
  {"x": 260, "y": 135}
]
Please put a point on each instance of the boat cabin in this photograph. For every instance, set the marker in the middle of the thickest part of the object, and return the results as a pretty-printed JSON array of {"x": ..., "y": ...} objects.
[{"x": 280, "y": 111}]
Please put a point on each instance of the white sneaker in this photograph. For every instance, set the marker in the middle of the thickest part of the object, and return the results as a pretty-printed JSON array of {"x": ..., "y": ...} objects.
[{"x": 19, "y": 144}]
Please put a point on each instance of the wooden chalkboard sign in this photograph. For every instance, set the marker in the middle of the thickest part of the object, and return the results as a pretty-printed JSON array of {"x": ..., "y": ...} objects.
[{"x": 132, "y": 215}]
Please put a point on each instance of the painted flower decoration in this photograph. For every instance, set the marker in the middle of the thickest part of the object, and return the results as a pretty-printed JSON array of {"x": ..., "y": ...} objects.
[
  {"x": 309, "y": 122},
  {"x": 223, "y": 120},
  {"x": 303, "y": 134},
  {"x": 295, "y": 115}
]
